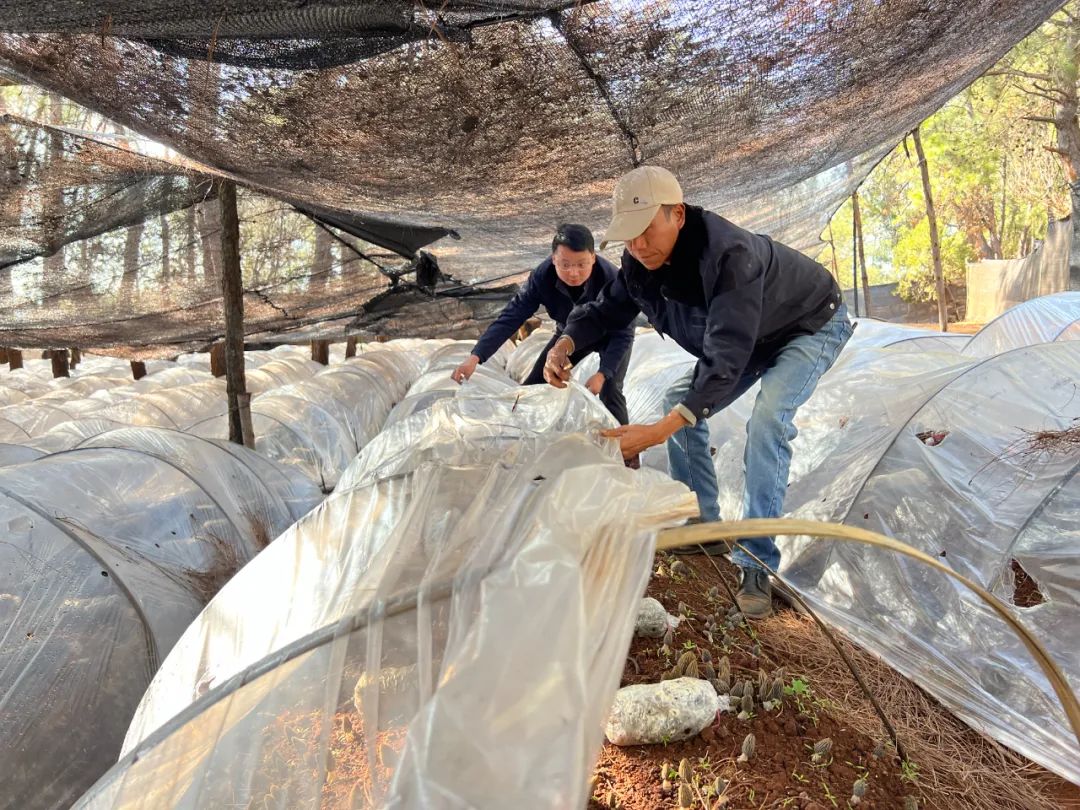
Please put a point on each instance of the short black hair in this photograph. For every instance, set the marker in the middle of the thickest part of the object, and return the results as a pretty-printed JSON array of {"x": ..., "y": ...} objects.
[{"x": 575, "y": 237}]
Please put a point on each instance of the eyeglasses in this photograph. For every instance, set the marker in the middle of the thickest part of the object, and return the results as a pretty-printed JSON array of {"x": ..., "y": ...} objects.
[{"x": 563, "y": 265}]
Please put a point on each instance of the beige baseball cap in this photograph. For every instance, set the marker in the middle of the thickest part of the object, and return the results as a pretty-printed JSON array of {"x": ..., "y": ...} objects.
[{"x": 638, "y": 196}]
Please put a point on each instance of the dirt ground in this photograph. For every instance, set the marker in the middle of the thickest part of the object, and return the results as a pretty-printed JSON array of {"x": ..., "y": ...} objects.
[{"x": 949, "y": 766}]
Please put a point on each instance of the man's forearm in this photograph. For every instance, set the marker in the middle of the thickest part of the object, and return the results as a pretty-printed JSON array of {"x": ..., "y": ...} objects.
[{"x": 671, "y": 424}]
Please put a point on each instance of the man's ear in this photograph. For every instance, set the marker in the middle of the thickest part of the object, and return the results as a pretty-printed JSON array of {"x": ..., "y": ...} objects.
[{"x": 679, "y": 214}]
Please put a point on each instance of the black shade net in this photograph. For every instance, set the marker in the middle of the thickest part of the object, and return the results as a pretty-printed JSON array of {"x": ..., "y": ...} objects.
[{"x": 498, "y": 120}]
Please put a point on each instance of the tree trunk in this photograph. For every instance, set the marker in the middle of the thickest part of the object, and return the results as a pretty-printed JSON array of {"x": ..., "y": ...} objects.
[
  {"x": 132, "y": 243},
  {"x": 208, "y": 217},
  {"x": 189, "y": 242},
  {"x": 1074, "y": 242},
  {"x": 935, "y": 244},
  {"x": 76, "y": 356},
  {"x": 322, "y": 265},
  {"x": 233, "y": 301},
  {"x": 14, "y": 359},
  {"x": 166, "y": 247},
  {"x": 131, "y": 261},
  {"x": 832, "y": 251},
  {"x": 862, "y": 257},
  {"x": 350, "y": 347},
  {"x": 54, "y": 215}
]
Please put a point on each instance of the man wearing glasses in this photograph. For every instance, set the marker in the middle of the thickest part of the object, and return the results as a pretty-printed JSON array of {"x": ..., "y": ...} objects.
[{"x": 571, "y": 276}]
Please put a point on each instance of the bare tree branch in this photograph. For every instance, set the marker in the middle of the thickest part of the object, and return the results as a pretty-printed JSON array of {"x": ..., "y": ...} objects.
[
  {"x": 1057, "y": 151},
  {"x": 1053, "y": 99},
  {"x": 1064, "y": 96},
  {"x": 1021, "y": 74},
  {"x": 1042, "y": 119}
]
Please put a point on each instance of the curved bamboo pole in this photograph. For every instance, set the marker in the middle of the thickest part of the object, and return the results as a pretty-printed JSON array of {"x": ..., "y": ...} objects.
[{"x": 764, "y": 527}]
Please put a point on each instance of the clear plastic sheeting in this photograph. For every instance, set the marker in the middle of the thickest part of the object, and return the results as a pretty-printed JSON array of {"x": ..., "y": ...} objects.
[
  {"x": 321, "y": 422},
  {"x": 292, "y": 431},
  {"x": 472, "y": 426},
  {"x": 399, "y": 368},
  {"x": 111, "y": 550},
  {"x": 17, "y": 454},
  {"x": 436, "y": 384},
  {"x": 967, "y": 459},
  {"x": 1041, "y": 320},
  {"x": 313, "y": 417},
  {"x": 466, "y": 607},
  {"x": 524, "y": 356}
]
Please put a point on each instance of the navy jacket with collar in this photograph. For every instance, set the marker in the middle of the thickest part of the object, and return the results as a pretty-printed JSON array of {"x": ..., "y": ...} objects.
[
  {"x": 729, "y": 297},
  {"x": 544, "y": 287}
]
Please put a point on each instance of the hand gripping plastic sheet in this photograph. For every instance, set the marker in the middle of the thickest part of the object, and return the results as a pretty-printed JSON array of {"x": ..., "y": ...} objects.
[
  {"x": 967, "y": 459},
  {"x": 455, "y": 632}
]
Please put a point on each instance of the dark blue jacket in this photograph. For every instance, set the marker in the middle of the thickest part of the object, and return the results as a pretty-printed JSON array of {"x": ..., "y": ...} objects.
[
  {"x": 544, "y": 287},
  {"x": 729, "y": 297}
]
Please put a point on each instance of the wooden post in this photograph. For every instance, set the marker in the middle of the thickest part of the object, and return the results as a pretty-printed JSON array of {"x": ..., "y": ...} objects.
[
  {"x": 233, "y": 303},
  {"x": 138, "y": 369},
  {"x": 862, "y": 257},
  {"x": 3, "y": 355},
  {"x": 244, "y": 402},
  {"x": 217, "y": 359},
  {"x": 350, "y": 347},
  {"x": 935, "y": 244},
  {"x": 320, "y": 351},
  {"x": 76, "y": 356},
  {"x": 14, "y": 359},
  {"x": 59, "y": 359}
]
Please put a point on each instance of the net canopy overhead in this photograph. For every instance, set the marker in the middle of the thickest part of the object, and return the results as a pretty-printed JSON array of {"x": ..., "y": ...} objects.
[
  {"x": 498, "y": 120},
  {"x": 60, "y": 187}
]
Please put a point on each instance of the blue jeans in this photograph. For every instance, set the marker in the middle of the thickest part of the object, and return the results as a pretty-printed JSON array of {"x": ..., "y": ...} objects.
[{"x": 787, "y": 382}]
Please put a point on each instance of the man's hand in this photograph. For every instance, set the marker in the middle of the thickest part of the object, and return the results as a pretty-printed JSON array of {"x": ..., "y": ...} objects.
[
  {"x": 466, "y": 369},
  {"x": 634, "y": 439},
  {"x": 557, "y": 366},
  {"x": 595, "y": 383}
]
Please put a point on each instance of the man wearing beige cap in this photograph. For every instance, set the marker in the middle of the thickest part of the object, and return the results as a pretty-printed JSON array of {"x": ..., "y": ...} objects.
[{"x": 749, "y": 309}]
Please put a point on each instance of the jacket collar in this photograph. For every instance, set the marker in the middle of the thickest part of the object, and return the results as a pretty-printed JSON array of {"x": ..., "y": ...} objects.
[
  {"x": 691, "y": 244},
  {"x": 682, "y": 270}
]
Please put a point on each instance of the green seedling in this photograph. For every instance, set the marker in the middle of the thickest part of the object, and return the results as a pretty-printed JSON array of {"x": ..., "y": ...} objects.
[
  {"x": 828, "y": 793},
  {"x": 909, "y": 771}
]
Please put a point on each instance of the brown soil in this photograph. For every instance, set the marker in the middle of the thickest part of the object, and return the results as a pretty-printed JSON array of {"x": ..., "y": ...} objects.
[
  {"x": 296, "y": 744},
  {"x": 1026, "y": 592},
  {"x": 781, "y": 774}
]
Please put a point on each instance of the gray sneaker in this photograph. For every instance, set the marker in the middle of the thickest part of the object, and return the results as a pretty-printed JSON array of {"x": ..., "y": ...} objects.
[{"x": 754, "y": 596}]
